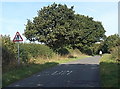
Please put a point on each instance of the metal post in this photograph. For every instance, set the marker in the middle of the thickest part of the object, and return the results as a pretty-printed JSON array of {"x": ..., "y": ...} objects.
[{"x": 18, "y": 55}]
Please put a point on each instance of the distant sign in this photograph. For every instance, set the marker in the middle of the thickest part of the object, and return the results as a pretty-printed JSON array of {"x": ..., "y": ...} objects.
[{"x": 17, "y": 37}]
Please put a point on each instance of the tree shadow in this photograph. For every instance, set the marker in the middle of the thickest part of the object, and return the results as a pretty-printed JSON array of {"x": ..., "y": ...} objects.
[{"x": 63, "y": 51}]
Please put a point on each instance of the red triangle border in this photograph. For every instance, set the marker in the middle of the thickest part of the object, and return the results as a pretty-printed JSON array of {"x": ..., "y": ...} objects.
[{"x": 15, "y": 37}]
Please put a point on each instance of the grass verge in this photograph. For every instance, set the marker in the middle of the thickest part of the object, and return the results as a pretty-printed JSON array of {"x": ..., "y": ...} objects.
[
  {"x": 22, "y": 72},
  {"x": 109, "y": 71}
]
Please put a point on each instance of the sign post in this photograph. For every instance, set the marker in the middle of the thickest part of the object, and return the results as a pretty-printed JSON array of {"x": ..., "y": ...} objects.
[
  {"x": 18, "y": 55},
  {"x": 17, "y": 39}
]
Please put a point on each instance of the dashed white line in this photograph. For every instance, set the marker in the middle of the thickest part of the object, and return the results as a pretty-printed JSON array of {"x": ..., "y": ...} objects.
[
  {"x": 69, "y": 73},
  {"x": 54, "y": 73}
]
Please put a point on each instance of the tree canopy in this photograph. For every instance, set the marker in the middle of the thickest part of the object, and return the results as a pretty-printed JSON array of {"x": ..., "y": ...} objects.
[
  {"x": 58, "y": 26},
  {"x": 110, "y": 42}
]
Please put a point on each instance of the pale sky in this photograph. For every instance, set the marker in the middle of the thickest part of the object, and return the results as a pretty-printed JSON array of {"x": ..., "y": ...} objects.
[{"x": 15, "y": 14}]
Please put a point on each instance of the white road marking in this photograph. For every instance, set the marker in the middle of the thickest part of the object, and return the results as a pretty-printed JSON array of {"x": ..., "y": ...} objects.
[
  {"x": 69, "y": 73},
  {"x": 54, "y": 73},
  {"x": 62, "y": 72}
]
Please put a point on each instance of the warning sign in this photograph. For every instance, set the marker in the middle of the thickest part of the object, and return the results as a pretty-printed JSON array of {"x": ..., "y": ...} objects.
[{"x": 17, "y": 37}]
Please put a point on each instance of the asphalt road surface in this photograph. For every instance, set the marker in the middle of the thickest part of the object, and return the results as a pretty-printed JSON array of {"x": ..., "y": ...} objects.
[{"x": 79, "y": 73}]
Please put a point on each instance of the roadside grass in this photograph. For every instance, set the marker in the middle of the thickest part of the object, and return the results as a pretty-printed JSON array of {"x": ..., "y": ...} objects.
[
  {"x": 109, "y": 71},
  {"x": 23, "y": 71},
  {"x": 64, "y": 59}
]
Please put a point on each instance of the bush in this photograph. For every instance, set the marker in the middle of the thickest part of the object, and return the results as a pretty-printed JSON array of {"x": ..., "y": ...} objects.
[
  {"x": 69, "y": 52},
  {"x": 87, "y": 50},
  {"x": 8, "y": 51},
  {"x": 35, "y": 50},
  {"x": 27, "y": 51},
  {"x": 74, "y": 53},
  {"x": 115, "y": 52},
  {"x": 24, "y": 55}
]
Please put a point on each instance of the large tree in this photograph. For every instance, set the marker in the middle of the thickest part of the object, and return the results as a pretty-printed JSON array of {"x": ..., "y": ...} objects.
[
  {"x": 86, "y": 31},
  {"x": 58, "y": 26}
]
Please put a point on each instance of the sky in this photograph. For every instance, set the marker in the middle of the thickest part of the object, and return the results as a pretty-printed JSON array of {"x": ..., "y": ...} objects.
[
  {"x": 119, "y": 18},
  {"x": 15, "y": 14}
]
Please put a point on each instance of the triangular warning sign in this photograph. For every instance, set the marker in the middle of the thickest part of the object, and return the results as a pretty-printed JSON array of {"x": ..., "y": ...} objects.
[{"x": 17, "y": 37}]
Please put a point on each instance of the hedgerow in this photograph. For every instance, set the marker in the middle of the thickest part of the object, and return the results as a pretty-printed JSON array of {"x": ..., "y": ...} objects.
[
  {"x": 8, "y": 50},
  {"x": 115, "y": 51},
  {"x": 27, "y": 51}
]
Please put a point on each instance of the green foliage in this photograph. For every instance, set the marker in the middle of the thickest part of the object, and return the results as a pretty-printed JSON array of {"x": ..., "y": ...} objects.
[
  {"x": 87, "y": 32},
  {"x": 58, "y": 26},
  {"x": 69, "y": 52},
  {"x": 110, "y": 42},
  {"x": 97, "y": 47},
  {"x": 50, "y": 25},
  {"x": 24, "y": 55},
  {"x": 109, "y": 72},
  {"x": 63, "y": 51},
  {"x": 8, "y": 51},
  {"x": 35, "y": 50},
  {"x": 115, "y": 51},
  {"x": 87, "y": 50},
  {"x": 23, "y": 72},
  {"x": 74, "y": 53},
  {"x": 27, "y": 51}
]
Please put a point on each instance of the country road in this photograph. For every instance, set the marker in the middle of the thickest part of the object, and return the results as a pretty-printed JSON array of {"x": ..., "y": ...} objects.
[{"x": 79, "y": 73}]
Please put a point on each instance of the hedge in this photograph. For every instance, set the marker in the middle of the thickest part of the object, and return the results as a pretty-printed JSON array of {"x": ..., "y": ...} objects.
[{"x": 27, "y": 51}]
